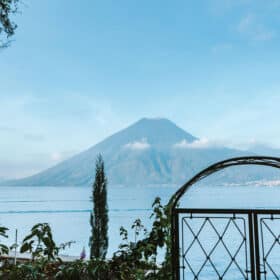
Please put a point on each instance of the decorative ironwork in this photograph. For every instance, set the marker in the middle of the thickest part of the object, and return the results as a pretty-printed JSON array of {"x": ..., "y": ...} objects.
[
  {"x": 230, "y": 253},
  {"x": 252, "y": 233},
  {"x": 270, "y": 242},
  {"x": 255, "y": 160}
]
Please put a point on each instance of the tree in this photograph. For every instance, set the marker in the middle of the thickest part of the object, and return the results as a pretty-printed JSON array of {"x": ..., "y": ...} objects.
[
  {"x": 98, "y": 241},
  {"x": 7, "y": 26}
]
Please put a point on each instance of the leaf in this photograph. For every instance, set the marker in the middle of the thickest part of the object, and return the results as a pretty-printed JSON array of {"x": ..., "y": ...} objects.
[{"x": 25, "y": 247}]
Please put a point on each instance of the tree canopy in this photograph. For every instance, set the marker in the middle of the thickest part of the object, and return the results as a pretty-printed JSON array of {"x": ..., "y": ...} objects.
[
  {"x": 7, "y": 26},
  {"x": 99, "y": 217}
]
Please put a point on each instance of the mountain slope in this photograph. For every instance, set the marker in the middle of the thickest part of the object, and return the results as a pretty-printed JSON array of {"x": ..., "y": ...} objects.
[{"x": 151, "y": 151}]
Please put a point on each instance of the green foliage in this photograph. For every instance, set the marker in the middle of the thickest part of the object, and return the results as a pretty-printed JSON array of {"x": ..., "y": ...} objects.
[
  {"x": 142, "y": 255},
  {"x": 32, "y": 271},
  {"x": 98, "y": 241},
  {"x": 135, "y": 260},
  {"x": 40, "y": 243},
  {"x": 3, "y": 248},
  {"x": 80, "y": 270},
  {"x": 7, "y": 26}
]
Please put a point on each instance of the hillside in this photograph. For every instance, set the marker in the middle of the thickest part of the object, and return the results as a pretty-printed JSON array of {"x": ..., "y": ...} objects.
[{"x": 151, "y": 151}]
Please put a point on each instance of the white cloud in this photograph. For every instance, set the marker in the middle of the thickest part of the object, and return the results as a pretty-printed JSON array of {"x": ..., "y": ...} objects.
[
  {"x": 250, "y": 27},
  {"x": 138, "y": 145},
  {"x": 197, "y": 144},
  {"x": 56, "y": 156},
  {"x": 63, "y": 155}
]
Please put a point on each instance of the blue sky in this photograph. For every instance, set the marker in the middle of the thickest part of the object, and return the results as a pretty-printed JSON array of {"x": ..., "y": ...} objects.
[{"x": 76, "y": 73}]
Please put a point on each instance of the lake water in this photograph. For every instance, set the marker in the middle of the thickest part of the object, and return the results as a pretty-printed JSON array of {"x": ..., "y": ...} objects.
[{"x": 67, "y": 209}]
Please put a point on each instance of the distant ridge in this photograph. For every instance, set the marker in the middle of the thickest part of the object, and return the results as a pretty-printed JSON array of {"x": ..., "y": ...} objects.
[{"x": 150, "y": 151}]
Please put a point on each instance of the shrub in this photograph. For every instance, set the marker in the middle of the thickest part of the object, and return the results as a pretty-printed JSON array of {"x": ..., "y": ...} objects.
[{"x": 133, "y": 261}]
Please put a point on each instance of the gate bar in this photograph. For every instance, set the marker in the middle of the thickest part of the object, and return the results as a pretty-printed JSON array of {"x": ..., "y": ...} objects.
[
  {"x": 252, "y": 251},
  {"x": 176, "y": 262},
  {"x": 257, "y": 244}
]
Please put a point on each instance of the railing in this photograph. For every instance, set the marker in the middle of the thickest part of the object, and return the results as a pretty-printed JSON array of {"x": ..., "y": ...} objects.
[{"x": 217, "y": 244}]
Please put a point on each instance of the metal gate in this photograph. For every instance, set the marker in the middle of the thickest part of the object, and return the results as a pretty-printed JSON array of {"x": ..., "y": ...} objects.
[
  {"x": 220, "y": 244},
  {"x": 228, "y": 244}
]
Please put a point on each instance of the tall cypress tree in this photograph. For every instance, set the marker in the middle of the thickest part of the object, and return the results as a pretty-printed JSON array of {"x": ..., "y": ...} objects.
[{"x": 98, "y": 241}]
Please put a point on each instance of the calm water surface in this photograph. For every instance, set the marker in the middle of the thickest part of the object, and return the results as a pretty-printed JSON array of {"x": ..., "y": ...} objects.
[{"x": 67, "y": 209}]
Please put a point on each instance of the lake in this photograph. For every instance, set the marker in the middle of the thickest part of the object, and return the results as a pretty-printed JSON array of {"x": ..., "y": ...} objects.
[{"x": 67, "y": 209}]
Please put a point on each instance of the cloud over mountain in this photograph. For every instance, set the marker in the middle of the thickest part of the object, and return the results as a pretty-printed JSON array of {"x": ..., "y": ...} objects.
[
  {"x": 150, "y": 151},
  {"x": 196, "y": 144},
  {"x": 138, "y": 145}
]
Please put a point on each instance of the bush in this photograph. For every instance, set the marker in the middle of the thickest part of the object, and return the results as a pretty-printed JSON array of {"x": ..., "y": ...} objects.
[{"x": 133, "y": 261}]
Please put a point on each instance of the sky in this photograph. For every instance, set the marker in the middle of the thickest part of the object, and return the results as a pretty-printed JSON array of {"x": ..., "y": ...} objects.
[{"x": 76, "y": 73}]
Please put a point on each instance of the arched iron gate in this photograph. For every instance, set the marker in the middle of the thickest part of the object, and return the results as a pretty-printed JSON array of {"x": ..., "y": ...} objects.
[{"x": 248, "y": 238}]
